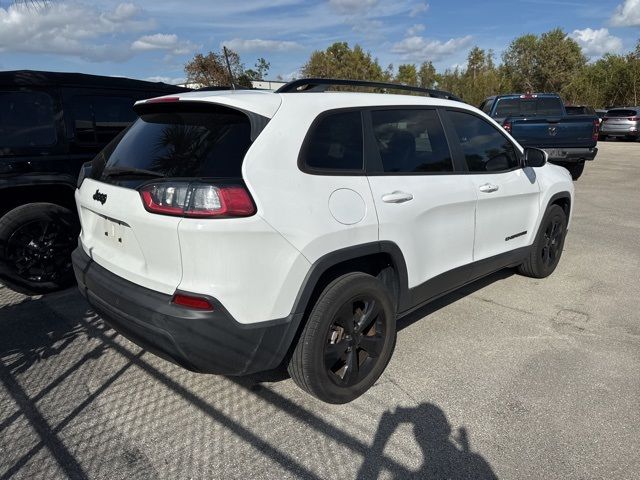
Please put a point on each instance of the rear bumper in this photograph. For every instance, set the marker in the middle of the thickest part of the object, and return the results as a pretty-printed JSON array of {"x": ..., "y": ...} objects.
[
  {"x": 571, "y": 155},
  {"x": 202, "y": 341},
  {"x": 630, "y": 130}
]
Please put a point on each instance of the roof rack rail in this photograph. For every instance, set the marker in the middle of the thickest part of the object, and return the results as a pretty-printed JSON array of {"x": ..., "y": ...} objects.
[
  {"x": 221, "y": 87},
  {"x": 323, "y": 84}
]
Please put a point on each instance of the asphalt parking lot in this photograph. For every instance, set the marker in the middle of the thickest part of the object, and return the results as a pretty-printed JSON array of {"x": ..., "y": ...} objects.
[{"x": 510, "y": 377}]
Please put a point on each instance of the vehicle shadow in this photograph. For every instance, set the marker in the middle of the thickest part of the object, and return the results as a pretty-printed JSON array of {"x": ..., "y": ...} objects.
[
  {"x": 446, "y": 454},
  {"x": 35, "y": 337}
]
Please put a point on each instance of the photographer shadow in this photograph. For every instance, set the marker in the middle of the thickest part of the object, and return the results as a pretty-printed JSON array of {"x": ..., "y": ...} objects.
[{"x": 446, "y": 455}]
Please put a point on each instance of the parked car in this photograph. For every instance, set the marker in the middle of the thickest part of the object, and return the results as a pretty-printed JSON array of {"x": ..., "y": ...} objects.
[
  {"x": 232, "y": 232},
  {"x": 541, "y": 120},
  {"x": 50, "y": 124},
  {"x": 621, "y": 123}
]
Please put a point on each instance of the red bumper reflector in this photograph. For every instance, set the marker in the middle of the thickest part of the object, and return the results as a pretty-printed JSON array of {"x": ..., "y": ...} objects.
[{"x": 198, "y": 303}]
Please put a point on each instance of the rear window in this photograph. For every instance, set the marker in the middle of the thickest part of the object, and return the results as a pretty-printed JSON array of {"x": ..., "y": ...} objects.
[
  {"x": 26, "y": 120},
  {"x": 209, "y": 144},
  {"x": 621, "y": 113},
  {"x": 523, "y": 107}
]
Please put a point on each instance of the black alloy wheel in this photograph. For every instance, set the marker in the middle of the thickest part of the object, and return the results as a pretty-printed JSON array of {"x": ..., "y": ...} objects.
[
  {"x": 355, "y": 340},
  {"x": 547, "y": 248},
  {"x": 347, "y": 340},
  {"x": 552, "y": 242},
  {"x": 36, "y": 241}
]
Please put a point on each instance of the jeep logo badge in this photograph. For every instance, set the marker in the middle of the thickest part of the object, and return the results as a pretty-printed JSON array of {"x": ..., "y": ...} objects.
[{"x": 100, "y": 197}]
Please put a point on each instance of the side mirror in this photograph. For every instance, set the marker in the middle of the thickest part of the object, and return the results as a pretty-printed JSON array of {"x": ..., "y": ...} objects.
[{"x": 534, "y": 157}]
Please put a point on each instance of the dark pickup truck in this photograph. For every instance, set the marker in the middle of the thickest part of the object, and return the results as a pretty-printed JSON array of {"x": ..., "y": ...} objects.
[
  {"x": 540, "y": 120},
  {"x": 50, "y": 124}
]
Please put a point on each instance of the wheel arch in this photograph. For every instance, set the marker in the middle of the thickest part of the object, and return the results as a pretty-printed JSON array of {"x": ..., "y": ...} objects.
[
  {"x": 562, "y": 199},
  {"x": 383, "y": 260},
  {"x": 60, "y": 193}
]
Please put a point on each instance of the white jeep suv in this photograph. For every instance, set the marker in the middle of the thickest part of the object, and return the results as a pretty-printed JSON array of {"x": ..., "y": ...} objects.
[{"x": 233, "y": 232}]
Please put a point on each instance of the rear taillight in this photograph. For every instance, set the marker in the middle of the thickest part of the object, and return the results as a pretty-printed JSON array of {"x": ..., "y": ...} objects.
[
  {"x": 200, "y": 200},
  {"x": 163, "y": 100},
  {"x": 192, "y": 301},
  {"x": 596, "y": 130},
  {"x": 507, "y": 126},
  {"x": 634, "y": 119}
]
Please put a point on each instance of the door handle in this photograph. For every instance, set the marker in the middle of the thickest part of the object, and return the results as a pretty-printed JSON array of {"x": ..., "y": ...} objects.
[
  {"x": 397, "y": 197},
  {"x": 489, "y": 188}
]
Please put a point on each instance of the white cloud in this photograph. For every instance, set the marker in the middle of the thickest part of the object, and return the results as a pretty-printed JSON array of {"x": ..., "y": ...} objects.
[
  {"x": 169, "y": 80},
  {"x": 259, "y": 45},
  {"x": 65, "y": 28},
  {"x": 596, "y": 43},
  {"x": 81, "y": 30},
  {"x": 418, "y": 49},
  {"x": 163, "y": 41},
  {"x": 350, "y": 7},
  {"x": 418, "y": 9},
  {"x": 414, "y": 30},
  {"x": 627, "y": 14}
]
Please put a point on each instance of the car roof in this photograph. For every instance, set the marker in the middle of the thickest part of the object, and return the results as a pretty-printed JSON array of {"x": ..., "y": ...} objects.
[
  {"x": 25, "y": 78},
  {"x": 267, "y": 102}
]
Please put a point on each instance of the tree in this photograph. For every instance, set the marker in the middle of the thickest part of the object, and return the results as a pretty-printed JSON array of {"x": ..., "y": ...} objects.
[
  {"x": 261, "y": 70},
  {"x": 427, "y": 76},
  {"x": 519, "y": 61},
  {"x": 340, "y": 61},
  {"x": 407, "y": 75},
  {"x": 546, "y": 63},
  {"x": 558, "y": 60},
  {"x": 211, "y": 70}
]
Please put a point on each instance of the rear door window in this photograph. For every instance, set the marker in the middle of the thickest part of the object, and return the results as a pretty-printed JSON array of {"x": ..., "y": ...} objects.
[
  {"x": 26, "y": 119},
  {"x": 335, "y": 143},
  {"x": 97, "y": 119},
  {"x": 411, "y": 141},
  {"x": 207, "y": 143}
]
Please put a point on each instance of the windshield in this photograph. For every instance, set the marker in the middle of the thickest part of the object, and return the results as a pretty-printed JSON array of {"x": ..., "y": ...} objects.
[
  {"x": 528, "y": 107},
  {"x": 183, "y": 143}
]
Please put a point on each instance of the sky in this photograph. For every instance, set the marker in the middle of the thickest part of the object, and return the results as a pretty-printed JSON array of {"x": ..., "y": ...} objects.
[{"x": 153, "y": 39}]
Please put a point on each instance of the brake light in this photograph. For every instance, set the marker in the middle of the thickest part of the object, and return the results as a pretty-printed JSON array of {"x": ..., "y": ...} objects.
[
  {"x": 200, "y": 200},
  {"x": 634, "y": 119},
  {"x": 507, "y": 126},
  {"x": 191, "y": 301},
  {"x": 163, "y": 100},
  {"x": 596, "y": 130}
]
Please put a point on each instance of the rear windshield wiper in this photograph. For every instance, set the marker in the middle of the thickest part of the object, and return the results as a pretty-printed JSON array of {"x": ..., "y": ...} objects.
[{"x": 131, "y": 172}]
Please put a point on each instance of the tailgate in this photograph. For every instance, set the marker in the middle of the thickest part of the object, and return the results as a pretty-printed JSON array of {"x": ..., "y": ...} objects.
[
  {"x": 571, "y": 132},
  {"x": 120, "y": 235}
]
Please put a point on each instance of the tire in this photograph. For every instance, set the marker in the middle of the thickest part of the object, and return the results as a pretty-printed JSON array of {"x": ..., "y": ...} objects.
[
  {"x": 575, "y": 169},
  {"x": 36, "y": 241},
  {"x": 331, "y": 345},
  {"x": 547, "y": 248}
]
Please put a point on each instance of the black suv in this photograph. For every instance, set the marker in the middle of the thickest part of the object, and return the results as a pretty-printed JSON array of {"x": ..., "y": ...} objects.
[{"x": 50, "y": 124}]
